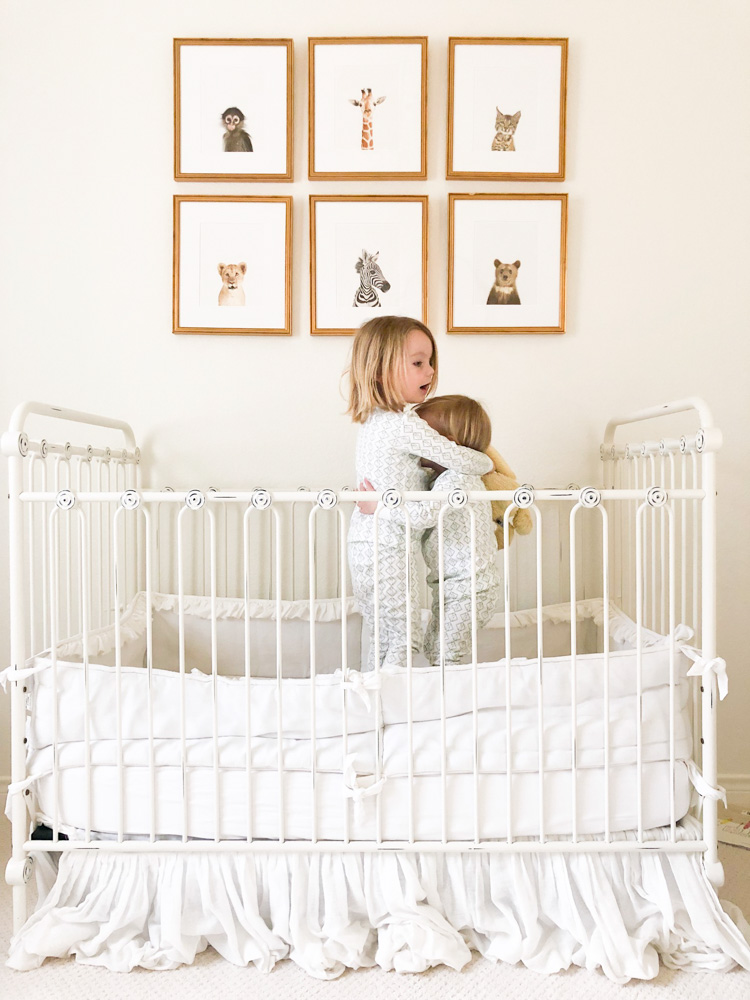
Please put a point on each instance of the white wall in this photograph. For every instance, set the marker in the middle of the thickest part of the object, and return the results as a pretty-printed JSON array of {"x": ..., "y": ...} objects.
[{"x": 658, "y": 296}]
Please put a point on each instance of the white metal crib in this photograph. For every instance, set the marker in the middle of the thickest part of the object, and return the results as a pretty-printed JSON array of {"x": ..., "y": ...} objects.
[{"x": 102, "y": 566}]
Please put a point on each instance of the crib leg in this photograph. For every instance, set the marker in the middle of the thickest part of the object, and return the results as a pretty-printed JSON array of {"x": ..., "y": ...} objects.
[
  {"x": 17, "y": 874},
  {"x": 714, "y": 869}
]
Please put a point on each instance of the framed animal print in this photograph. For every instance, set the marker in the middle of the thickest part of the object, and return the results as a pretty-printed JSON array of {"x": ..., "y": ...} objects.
[
  {"x": 506, "y": 263},
  {"x": 233, "y": 109},
  {"x": 368, "y": 108},
  {"x": 232, "y": 265},
  {"x": 368, "y": 255},
  {"x": 506, "y": 108}
]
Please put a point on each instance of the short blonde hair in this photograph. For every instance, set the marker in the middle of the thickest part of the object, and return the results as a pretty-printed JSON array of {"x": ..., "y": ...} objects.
[
  {"x": 377, "y": 361},
  {"x": 459, "y": 418}
]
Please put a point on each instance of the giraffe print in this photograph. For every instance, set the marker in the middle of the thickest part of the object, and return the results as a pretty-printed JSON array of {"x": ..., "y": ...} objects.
[{"x": 367, "y": 103}]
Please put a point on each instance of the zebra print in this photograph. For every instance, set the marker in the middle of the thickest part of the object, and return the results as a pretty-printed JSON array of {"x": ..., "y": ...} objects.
[{"x": 371, "y": 280}]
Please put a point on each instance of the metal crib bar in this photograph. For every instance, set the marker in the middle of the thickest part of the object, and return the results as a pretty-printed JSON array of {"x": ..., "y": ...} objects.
[
  {"x": 312, "y": 590},
  {"x": 573, "y": 679},
  {"x": 214, "y": 676},
  {"x": 54, "y": 606},
  {"x": 540, "y": 665},
  {"x": 116, "y": 564},
  {"x": 344, "y": 666},
  {"x": 409, "y": 667},
  {"x": 279, "y": 686},
  {"x": 639, "y": 556},
  {"x": 248, "y": 687},
  {"x": 443, "y": 707},
  {"x": 375, "y": 653},
  {"x": 181, "y": 647},
  {"x": 474, "y": 675},
  {"x": 508, "y": 687},
  {"x": 149, "y": 672}
]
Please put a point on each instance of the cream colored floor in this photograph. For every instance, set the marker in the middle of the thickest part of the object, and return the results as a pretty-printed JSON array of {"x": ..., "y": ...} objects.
[{"x": 211, "y": 978}]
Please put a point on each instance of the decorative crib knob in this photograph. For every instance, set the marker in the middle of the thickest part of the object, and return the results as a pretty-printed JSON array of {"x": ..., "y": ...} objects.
[
  {"x": 43, "y": 448},
  {"x": 68, "y": 449},
  {"x": 590, "y": 497},
  {"x": 683, "y": 444},
  {"x": 523, "y": 497},
  {"x": 657, "y": 496},
  {"x": 65, "y": 500},
  {"x": 458, "y": 498},
  {"x": 107, "y": 454},
  {"x": 89, "y": 452},
  {"x": 700, "y": 440},
  {"x": 124, "y": 454},
  {"x": 137, "y": 455},
  {"x": 260, "y": 499},
  {"x": 130, "y": 500},
  {"x": 23, "y": 444},
  {"x": 327, "y": 499},
  {"x": 195, "y": 500},
  {"x": 391, "y": 499}
]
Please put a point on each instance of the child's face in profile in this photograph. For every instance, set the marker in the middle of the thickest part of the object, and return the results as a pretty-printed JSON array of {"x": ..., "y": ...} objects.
[{"x": 417, "y": 374}]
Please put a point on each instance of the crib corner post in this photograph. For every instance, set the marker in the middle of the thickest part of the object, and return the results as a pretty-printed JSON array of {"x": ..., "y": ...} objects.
[
  {"x": 709, "y": 762},
  {"x": 18, "y": 868}
]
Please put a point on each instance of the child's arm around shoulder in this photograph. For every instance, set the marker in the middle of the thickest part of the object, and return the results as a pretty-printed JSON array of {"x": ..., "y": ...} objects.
[{"x": 418, "y": 438}]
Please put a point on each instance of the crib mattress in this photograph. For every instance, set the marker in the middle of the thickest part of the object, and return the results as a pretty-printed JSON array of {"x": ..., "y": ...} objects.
[
  {"x": 203, "y": 812},
  {"x": 218, "y": 786}
]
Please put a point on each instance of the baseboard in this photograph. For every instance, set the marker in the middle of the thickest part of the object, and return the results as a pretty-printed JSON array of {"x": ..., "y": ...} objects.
[{"x": 738, "y": 789}]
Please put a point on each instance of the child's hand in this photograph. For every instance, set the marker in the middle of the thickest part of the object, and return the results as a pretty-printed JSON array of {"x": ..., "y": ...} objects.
[{"x": 367, "y": 506}]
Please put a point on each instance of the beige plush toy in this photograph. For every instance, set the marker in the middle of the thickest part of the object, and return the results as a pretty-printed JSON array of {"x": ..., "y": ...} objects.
[{"x": 504, "y": 478}]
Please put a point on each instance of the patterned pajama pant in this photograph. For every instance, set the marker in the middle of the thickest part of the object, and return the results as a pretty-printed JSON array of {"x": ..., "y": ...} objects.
[
  {"x": 392, "y": 600},
  {"x": 457, "y": 629}
]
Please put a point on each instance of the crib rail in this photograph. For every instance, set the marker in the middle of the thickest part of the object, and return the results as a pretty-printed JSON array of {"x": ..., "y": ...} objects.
[{"x": 92, "y": 548}]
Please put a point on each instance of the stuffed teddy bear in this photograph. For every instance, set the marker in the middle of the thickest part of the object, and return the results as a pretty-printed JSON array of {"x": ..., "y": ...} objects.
[{"x": 504, "y": 478}]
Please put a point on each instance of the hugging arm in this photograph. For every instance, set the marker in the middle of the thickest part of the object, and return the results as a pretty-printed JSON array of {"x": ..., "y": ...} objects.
[{"x": 418, "y": 438}]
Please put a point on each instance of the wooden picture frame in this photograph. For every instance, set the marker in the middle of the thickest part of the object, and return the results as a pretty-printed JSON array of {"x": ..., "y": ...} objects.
[
  {"x": 507, "y": 263},
  {"x": 368, "y": 256},
  {"x": 506, "y": 108},
  {"x": 385, "y": 134},
  {"x": 232, "y": 265},
  {"x": 233, "y": 109}
]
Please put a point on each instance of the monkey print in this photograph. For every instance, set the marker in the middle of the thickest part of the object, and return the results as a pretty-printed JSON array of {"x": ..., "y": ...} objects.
[{"x": 236, "y": 139}]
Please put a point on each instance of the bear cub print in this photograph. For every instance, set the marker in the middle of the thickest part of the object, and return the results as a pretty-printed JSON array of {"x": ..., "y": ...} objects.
[{"x": 504, "y": 291}]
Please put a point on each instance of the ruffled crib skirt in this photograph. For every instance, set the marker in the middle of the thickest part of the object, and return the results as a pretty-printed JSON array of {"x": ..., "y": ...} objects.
[{"x": 402, "y": 911}]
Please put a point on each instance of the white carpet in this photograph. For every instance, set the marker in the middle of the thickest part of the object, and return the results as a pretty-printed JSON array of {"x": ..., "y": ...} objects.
[{"x": 211, "y": 978}]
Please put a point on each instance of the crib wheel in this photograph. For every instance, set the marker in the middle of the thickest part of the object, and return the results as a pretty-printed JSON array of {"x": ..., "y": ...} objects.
[{"x": 19, "y": 871}]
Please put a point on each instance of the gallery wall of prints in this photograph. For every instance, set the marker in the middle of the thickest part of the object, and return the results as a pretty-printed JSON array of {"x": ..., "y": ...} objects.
[{"x": 366, "y": 109}]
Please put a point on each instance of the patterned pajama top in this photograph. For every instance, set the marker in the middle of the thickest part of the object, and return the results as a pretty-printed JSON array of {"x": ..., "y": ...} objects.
[{"x": 389, "y": 448}]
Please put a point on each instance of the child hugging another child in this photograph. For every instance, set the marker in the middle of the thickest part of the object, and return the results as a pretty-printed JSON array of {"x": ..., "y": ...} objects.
[
  {"x": 394, "y": 367},
  {"x": 464, "y": 421}
]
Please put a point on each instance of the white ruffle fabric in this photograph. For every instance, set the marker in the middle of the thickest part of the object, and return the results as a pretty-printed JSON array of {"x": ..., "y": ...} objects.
[{"x": 404, "y": 911}]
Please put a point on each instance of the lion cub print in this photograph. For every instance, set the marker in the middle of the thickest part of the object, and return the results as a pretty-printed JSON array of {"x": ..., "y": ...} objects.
[
  {"x": 504, "y": 291},
  {"x": 232, "y": 276},
  {"x": 505, "y": 129}
]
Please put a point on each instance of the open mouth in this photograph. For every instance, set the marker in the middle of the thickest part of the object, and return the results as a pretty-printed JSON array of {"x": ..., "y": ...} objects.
[{"x": 425, "y": 388}]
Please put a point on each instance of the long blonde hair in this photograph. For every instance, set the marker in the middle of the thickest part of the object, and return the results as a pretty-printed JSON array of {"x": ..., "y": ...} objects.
[
  {"x": 459, "y": 418},
  {"x": 378, "y": 361}
]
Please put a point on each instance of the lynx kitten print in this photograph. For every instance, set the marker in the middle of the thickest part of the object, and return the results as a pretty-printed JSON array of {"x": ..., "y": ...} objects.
[{"x": 505, "y": 128}]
